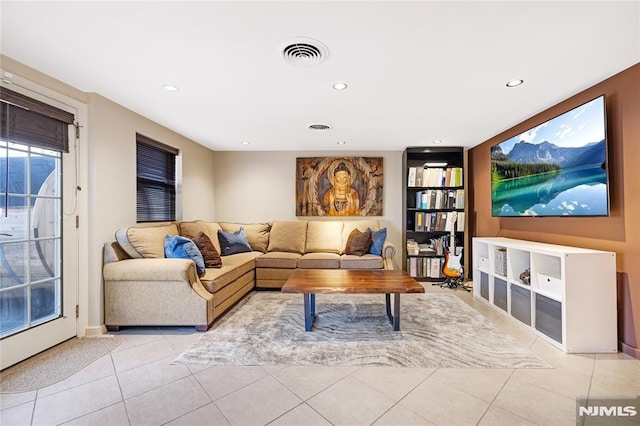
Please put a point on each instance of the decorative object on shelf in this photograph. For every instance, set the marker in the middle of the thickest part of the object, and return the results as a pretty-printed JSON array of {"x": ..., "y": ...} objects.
[
  {"x": 339, "y": 186},
  {"x": 413, "y": 248},
  {"x": 525, "y": 277},
  {"x": 501, "y": 261}
]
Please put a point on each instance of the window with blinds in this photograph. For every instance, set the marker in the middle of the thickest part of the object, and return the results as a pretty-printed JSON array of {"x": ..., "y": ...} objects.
[{"x": 156, "y": 180}]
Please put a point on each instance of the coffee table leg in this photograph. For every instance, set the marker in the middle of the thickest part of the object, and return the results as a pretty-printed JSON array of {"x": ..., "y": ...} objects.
[
  {"x": 309, "y": 310},
  {"x": 394, "y": 318},
  {"x": 396, "y": 311}
]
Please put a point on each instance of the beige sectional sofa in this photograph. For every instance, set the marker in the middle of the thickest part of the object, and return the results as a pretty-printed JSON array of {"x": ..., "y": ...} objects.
[{"x": 142, "y": 287}]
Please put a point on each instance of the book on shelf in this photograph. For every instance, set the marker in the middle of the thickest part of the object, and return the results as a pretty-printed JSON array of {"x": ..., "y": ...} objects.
[
  {"x": 425, "y": 201},
  {"x": 450, "y": 199},
  {"x": 412, "y": 266},
  {"x": 419, "y": 221},
  {"x": 448, "y": 226},
  {"x": 419, "y": 176},
  {"x": 459, "y": 199},
  {"x": 412, "y": 177},
  {"x": 460, "y": 222},
  {"x": 434, "y": 270},
  {"x": 456, "y": 179},
  {"x": 432, "y": 199},
  {"x": 438, "y": 204}
]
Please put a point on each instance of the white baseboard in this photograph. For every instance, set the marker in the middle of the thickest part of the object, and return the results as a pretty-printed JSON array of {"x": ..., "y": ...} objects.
[{"x": 95, "y": 331}]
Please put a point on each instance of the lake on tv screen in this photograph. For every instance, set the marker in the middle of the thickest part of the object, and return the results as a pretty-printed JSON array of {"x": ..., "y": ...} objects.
[
  {"x": 569, "y": 192},
  {"x": 557, "y": 168}
]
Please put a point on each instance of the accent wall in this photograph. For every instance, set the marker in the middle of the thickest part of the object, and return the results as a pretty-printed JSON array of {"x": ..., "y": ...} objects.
[{"x": 619, "y": 232}]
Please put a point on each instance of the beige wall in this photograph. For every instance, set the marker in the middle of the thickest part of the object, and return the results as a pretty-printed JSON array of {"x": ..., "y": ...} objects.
[
  {"x": 619, "y": 232},
  {"x": 260, "y": 187},
  {"x": 110, "y": 187}
]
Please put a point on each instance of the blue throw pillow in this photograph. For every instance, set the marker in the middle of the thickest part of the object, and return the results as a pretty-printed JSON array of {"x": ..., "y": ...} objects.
[
  {"x": 183, "y": 248},
  {"x": 233, "y": 242},
  {"x": 377, "y": 238}
]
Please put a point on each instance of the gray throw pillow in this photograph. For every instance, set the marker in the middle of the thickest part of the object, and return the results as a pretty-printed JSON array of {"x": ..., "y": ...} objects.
[{"x": 233, "y": 242}]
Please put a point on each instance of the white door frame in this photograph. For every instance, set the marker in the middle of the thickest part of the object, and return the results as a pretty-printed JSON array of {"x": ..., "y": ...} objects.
[{"x": 15, "y": 348}]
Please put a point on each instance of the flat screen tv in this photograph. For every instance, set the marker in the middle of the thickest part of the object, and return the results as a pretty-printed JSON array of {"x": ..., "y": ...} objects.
[{"x": 558, "y": 168}]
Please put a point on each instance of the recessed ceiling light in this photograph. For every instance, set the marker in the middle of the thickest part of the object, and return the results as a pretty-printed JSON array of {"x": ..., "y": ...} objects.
[
  {"x": 514, "y": 83},
  {"x": 339, "y": 85},
  {"x": 437, "y": 141},
  {"x": 244, "y": 143},
  {"x": 170, "y": 88},
  {"x": 341, "y": 143}
]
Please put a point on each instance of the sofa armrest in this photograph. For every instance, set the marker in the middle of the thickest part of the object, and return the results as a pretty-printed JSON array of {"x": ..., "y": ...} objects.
[
  {"x": 388, "y": 251},
  {"x": 113, "y": 253},
  {"x": 151, "y": 270}
]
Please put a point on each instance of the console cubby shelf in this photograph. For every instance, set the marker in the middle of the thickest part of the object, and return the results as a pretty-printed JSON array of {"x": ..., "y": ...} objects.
[{"x": 569, "y": 298}]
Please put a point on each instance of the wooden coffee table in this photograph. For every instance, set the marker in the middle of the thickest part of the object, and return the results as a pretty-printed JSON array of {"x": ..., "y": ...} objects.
[{"x": 333, "y": 281}]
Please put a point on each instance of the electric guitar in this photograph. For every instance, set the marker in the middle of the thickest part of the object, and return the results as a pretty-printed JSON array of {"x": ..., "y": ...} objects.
[{"x": 452, "y": 267}]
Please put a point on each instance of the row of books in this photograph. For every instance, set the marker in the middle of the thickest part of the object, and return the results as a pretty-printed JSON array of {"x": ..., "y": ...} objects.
[
  {"x": 425, "y": 267},
  {"x": 440, "y": 199},
  {"x": 435, "y": 176},
  {"x": 438, "y": 221}
]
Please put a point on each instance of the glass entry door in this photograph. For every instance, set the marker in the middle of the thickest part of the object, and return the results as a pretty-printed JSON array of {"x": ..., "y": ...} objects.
[{"x": 38, "y": 250}]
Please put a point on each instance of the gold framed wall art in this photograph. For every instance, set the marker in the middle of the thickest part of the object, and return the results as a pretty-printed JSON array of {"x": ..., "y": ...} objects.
[{"x": 339, "y": 186}]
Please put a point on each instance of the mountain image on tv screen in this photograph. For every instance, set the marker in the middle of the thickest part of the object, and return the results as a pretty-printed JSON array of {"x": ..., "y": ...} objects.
[{"x": 555, "y": 169}]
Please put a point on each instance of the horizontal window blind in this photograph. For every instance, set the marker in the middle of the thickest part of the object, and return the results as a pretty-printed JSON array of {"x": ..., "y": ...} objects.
[
  {"x": 156, "y": 180},
  {"x": 30, "y": 122}
]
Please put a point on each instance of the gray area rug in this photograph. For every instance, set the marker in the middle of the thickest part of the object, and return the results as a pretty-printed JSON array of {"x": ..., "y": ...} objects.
[
  {"x": 436, "y": 330},
  {"x": 55, "y": 364}
]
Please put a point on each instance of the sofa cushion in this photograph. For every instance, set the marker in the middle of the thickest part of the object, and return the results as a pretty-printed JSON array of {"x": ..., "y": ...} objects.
[
  {"x": 177, "y": 247},
  {"x": 278, "y": 259},
  {"x": 377, "y": 241},
  {"x": 210, "y": 255},
  {"x": 145, "y": 241},
  {"x": 281, "y": 274},
  {"x": 360, "y": 225},
  {"x": 319, "y": 261},
  {"x": 215, "y": 279},
  {"x": 324, "y": 237},
  {"x": 233, "y": 242},
  {"x": 358, "y": 243},
  {"x": 233, "y": 267},
  {"x": 191, "y": 229},
  {"x": 257, "y": 233},
  {"x": 288, "y": 237},
  {"x": 368, "y": 261},
  {"x": 244, "y": 262}
]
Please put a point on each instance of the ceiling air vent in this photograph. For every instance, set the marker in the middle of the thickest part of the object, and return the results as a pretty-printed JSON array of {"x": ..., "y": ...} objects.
[
  {"x": 304, "y": 52},
  {"x": 319, "y": 127}
]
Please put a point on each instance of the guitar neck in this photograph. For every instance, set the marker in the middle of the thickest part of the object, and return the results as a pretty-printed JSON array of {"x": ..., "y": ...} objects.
[{"x": 452, "y": 235}]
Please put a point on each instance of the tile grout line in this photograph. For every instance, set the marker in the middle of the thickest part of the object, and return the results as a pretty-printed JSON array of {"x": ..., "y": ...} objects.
[{"x": 404, "y": 396}]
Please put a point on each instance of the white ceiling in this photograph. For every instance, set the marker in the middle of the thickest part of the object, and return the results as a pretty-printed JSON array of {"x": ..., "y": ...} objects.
[{"x": 417, "y": 71}]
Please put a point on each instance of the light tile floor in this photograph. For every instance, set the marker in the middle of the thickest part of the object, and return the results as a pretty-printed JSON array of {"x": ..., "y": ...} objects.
[{"x": 137, "y": 385}]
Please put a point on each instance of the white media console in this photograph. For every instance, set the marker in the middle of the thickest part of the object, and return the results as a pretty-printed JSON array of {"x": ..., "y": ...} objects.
[{"x": 569, "y": 298}]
